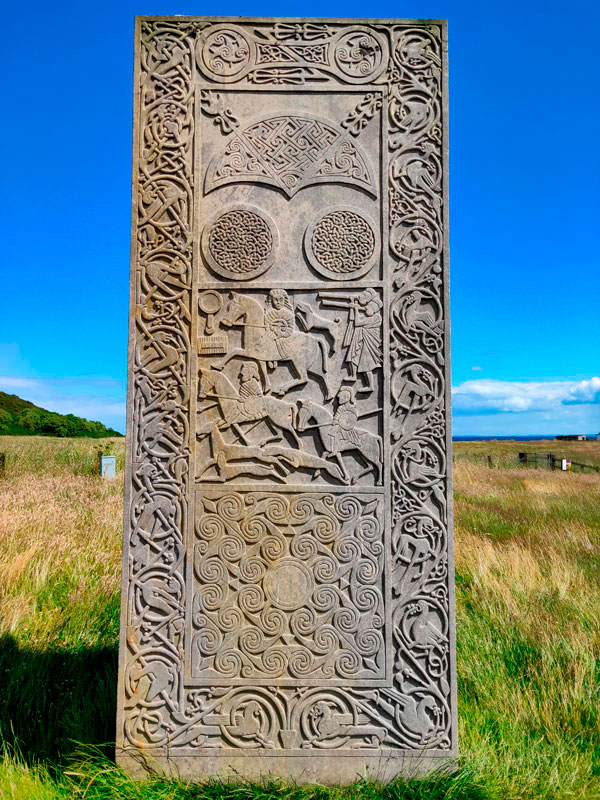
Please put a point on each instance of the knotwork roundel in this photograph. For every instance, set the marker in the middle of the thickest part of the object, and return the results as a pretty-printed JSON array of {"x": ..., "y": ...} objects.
[
  {"x": 240, "y": 243},
  {"x": 342, "y": 244}
]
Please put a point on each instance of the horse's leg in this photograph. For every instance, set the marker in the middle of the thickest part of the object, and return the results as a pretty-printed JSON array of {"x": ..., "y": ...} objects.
[
  {"x": 371, "y": 459},
  {"x": 207, "y": 466},
  {"x": 319, "y": 352},
  {"x": 342, "y": 466},
  {"x": 238, "y": 351},
  {"x": 262, "y": 366},
  {"x": 290, "y": 429},
  {"x": 299, "y": 367}
]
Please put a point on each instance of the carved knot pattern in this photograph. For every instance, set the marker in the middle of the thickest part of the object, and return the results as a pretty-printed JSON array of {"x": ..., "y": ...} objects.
[
  {"x": 288, "y": 588},
  {"x": 240, "y": 243},
  {"x": 343, "y": 241},
  {"x": 161, "y": 706},
  {"x": 291, "y": 152}
]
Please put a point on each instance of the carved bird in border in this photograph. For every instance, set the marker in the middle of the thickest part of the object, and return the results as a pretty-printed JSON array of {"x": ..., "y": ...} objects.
[{"x": 423, "y": 631}]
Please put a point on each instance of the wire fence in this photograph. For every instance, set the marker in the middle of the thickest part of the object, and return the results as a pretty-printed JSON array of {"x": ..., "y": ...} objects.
[{"x": 527, "y": 459}]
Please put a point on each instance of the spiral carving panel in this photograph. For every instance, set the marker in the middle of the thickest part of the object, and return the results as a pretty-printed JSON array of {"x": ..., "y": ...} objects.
[
  {"x": 287, "y": 562},
  {"x": 288, "y": 588}
]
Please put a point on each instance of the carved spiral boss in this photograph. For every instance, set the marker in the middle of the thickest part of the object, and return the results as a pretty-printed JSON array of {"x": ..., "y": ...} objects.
[{"x": 280, "y": 621}]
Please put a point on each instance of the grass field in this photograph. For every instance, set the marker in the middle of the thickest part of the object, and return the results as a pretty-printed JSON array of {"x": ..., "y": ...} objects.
[{"x": 528, "y": 606}]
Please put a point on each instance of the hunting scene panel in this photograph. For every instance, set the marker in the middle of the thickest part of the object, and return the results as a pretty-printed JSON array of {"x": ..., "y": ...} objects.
[{"x": 290, "y": 386}]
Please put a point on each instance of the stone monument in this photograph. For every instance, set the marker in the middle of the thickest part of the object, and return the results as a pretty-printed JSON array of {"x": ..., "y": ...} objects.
[{"x": 287, "y": 567}]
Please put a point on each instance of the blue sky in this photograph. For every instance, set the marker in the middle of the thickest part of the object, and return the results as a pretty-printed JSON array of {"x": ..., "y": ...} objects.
[{"x": 524, "y": 178}]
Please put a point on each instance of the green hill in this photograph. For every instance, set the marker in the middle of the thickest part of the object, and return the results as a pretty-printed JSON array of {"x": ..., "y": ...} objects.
[{"x": 19, "y": 417}]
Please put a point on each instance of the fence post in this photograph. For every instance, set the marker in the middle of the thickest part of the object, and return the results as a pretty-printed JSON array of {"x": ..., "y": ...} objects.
[
  {"x": 489, "y": 460},
  {"x": 2, "y": 465}
]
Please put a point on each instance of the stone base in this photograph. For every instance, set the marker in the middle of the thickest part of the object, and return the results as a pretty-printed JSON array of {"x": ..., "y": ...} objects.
[{"x": 329, "y": 768}]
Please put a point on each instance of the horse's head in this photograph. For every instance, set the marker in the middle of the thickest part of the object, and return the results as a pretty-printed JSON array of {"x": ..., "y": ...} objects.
[{"x": 234, "y": 310}]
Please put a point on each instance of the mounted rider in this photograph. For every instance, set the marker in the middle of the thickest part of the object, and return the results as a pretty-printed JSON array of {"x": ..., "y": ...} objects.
[
  {"x": 344, "y": 421},
  {"x": 251, "y": 391},
  {"x": 280, "y": 324}
]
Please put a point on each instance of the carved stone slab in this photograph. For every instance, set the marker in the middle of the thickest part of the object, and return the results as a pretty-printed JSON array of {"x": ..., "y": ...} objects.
[{"x": 287, "y": 565}]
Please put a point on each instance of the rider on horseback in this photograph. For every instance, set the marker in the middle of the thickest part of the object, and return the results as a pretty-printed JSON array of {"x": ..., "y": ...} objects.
[
  {"x": 344, "y": 421},
  {"x": 279, "y": 326},
  {"x": 251, "y": 391}
]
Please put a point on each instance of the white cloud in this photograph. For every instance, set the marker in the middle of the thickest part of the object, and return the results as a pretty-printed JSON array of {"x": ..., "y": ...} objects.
[
  {"x": 476, "y": 369},
  {"x": 489, "y": 396},
  {"x": 95, "y": 398}
]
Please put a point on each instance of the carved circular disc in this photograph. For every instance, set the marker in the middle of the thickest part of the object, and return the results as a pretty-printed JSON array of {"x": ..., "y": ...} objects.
[
  {"x": 360, "y": 54},
  {"x": 342, "y": 244},
  {"x": 288, "y": 584},
  {"x": 240, "y": 243},
  {"x": 210, "y": 302},
  {"x": 223, "y": 52}
]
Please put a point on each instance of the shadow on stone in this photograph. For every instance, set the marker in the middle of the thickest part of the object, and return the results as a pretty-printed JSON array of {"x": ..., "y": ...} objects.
[{"x": 54, "y": 699}]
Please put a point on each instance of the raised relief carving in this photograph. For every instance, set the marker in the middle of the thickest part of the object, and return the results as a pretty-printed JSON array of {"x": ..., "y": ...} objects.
[
  {"x": 342, "y": 244},
  {"x": 287, "y": 521},
  {"x": 291, "y": 54},
  {"x": 240, "y": 243},
  {"x": 288, "y": 587},
  {"x": 359, "y": 54},
  {"x": 291, "y": 152},
  {"x": 271, "y": 406},
  {"x": 224, "y": 53}
]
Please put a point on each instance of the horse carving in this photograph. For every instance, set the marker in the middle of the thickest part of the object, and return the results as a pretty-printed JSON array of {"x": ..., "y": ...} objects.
[
  {"x": 271, "y": 343},
  {"x": 370, "y": 448}
]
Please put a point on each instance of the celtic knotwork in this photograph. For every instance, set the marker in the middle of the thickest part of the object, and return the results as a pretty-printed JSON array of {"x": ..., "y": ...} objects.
[
  {"x": 289, "y": 586},
  {"x": 240, "y": 243},
  {"x": 341, "y": 244},
  {"x": 291, "y": 152},
  {"x": 343, "y": 241}
]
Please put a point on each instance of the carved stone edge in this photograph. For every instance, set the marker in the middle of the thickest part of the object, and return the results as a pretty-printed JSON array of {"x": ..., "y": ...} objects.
[
  {"x": 382, "y": 766},
  {"x": 130, "y": 433},
  {"x": 448, "y": 387},
  {"x": 351, "y": 767}
]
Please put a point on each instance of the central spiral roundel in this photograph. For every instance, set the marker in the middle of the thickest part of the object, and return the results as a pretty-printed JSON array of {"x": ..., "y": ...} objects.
[
  {"x": 288, "y": 585},
  {"x": 341, "y": 244},
  {"x": 240, "y": 243}
]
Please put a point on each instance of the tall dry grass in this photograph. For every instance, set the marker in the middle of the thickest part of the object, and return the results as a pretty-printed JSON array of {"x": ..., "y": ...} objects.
[
  {"x": 528, "y": 603},
  {"x": 528, "y": 606}
]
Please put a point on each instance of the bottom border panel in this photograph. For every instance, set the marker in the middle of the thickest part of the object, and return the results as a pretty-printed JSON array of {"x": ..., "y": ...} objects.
[{"x": 383, "y": 767}]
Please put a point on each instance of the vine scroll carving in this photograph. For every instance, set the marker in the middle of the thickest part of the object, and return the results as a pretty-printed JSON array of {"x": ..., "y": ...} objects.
[{"x": 287, "y": 566}]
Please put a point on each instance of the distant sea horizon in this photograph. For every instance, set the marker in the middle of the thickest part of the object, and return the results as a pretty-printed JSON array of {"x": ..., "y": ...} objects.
[{"x": 514, "y": 438}]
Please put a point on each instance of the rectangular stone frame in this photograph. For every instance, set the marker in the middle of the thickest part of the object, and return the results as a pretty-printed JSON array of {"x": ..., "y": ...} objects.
[{"x": 184, "y": 706}]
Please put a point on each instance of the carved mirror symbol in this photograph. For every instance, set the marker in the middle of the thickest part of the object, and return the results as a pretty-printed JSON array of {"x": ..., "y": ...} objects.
[
  {"x": 240, "y": 243},
  {"x": 342, "y": 244}
]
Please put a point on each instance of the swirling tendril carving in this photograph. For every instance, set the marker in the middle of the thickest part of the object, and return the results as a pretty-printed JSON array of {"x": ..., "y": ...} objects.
[{"x": 337, "y": 621}]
